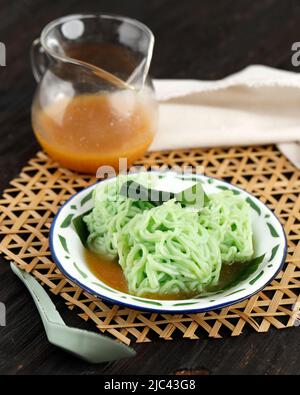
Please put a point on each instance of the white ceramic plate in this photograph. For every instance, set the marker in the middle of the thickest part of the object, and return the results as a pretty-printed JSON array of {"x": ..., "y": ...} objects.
[{"x": 269, "y": 243}]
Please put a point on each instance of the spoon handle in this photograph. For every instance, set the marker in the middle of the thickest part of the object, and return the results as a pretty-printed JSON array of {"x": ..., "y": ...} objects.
[{"x": 46, "y": 308}]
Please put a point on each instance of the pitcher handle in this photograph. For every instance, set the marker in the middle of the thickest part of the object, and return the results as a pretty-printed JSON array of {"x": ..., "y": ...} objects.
[{"x": 39, "y": 60}]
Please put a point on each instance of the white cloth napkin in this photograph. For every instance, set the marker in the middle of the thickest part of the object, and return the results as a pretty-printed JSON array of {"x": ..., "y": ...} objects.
[{"x": 258, "y": 105}]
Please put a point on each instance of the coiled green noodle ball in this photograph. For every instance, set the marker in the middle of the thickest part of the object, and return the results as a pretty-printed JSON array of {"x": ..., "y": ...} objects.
[
  {"x": 227, "y": 218},
  {"x": 166, "y": 250},
  {"x": 110, "y": 214}
]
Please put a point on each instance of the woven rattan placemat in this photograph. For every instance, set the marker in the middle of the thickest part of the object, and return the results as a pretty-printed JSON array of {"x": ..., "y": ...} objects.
[{"x": 33, "y": 198}]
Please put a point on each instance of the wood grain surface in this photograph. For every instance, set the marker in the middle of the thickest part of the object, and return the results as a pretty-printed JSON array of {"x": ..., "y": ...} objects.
[{"x": 194, "y": 39}]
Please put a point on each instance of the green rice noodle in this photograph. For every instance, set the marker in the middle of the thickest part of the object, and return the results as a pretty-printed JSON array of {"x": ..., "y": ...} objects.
[
  {"x": 166, "y": 250},
  {"x": 110, "y": 214},
  {"x": 227, "y": 218}
]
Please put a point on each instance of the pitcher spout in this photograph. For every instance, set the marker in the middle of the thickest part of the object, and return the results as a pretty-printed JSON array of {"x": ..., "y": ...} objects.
[{"x": 120, "y": 54}]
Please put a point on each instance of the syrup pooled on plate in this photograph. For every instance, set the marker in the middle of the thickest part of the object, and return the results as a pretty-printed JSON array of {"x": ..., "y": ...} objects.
[{"x": 111, "y": 273}]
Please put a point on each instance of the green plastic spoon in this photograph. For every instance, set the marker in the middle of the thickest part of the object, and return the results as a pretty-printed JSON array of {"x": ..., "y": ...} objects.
[{"x": 89, "y": 346}]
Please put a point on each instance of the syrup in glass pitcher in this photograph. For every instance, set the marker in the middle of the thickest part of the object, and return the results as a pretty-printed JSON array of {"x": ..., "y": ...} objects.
[{"x": 95, "y": 102}]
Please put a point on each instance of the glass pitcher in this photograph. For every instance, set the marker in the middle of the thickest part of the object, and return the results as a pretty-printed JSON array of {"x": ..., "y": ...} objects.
[{"x": 95, "y": 102}]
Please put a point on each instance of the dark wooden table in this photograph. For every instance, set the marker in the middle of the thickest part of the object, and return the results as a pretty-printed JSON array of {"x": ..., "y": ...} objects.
[{"x": 194, "y": 39}]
